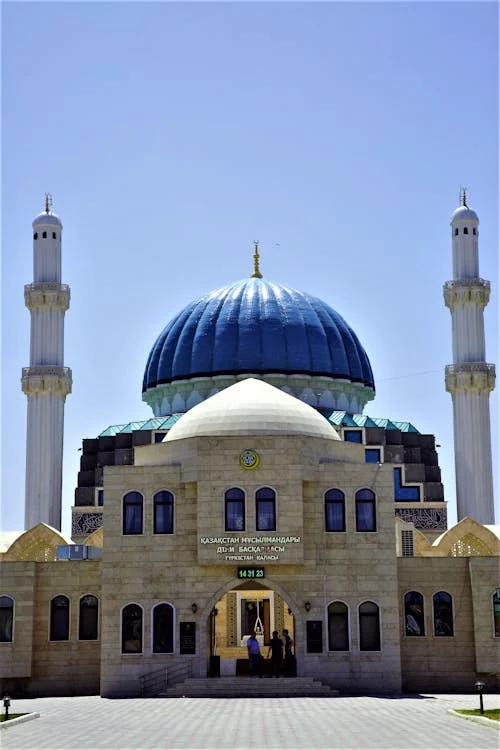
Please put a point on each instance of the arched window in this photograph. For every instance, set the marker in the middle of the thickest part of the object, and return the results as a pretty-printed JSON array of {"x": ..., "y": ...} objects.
[
  {"x": 163, "y": 629},
  {"x": 265, "y": 509},
  {"x": 132, "y": 629},
  {"x": 334, "y": 510},
  {"x": 496, "y": 613},
  {"x": 132, "y": 513},
  {"x": 89, "y": 618},
  {"x": 456, "y": 231},
  {"x": 163, "y": 513},
  {"x": 6, "y": 619},
  {"x": 369, "y": 627},
  {"x": 35, "y": 236},
  {"x": 414, "y": 614},
  {"x": 234, "y": 508},
  {"x": 44, "y": 235},
  {"x": 474, "y": 230},
  {"x": 443, "y": 614},
  {"x": 365, "y": 511},
  {"x": 338, "y": 627},
  {"x": 53, "y": 235},
  {"x": 59, "y": 618},
  {"x": 466, "y": 231}
]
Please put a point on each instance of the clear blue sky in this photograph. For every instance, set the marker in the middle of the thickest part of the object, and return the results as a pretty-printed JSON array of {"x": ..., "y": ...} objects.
[{"x": 173, "y": 135}]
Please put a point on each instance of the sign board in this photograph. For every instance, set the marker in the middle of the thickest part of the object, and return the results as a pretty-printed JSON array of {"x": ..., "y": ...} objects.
[{"x": 187, "y": 638}]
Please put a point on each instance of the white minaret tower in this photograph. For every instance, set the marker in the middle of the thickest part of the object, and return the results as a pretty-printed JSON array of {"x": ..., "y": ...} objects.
[
  {"x": 46, "y": 382},
  {"x": 470, "y": 379}
]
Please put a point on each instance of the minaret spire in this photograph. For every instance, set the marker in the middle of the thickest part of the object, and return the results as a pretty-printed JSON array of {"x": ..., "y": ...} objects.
[
  {"x": 256, "y": 258},
  {"x": 470, "y": 379},
  {"x": 46, "y": 382}
]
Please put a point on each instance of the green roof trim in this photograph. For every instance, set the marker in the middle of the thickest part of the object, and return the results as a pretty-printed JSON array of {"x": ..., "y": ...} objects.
[
  {"x": 155, "y": 423},
  {"x": 344, "y": 419}
]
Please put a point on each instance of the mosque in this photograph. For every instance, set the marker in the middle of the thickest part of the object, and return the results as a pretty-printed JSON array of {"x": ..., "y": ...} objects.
[{"x": 259, "y": 496}]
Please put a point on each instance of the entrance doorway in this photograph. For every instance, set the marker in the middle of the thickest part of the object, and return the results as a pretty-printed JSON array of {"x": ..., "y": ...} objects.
[{"x": 249, "y": 607}]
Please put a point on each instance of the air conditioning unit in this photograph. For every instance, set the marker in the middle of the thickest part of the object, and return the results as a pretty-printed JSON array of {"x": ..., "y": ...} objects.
[{"x": 71, "y": 552}]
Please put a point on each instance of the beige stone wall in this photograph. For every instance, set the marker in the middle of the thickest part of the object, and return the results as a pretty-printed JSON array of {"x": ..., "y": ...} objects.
[
  {"x": 485, "y": 578},
  {"x": 437, "y": 663},
  {"x": 18, "y": 582}
]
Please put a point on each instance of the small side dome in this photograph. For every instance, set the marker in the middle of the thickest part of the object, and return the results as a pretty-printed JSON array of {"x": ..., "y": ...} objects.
[
  {"x": 464, "y": 213},
  {"x": 251, "y": 407}
]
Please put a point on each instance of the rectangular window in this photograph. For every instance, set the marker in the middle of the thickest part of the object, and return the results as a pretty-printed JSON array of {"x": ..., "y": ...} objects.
[
  {"x": 353, "y": 436},
  {"x": 235, "y": 515},
  {"x": 266, "y": 515},
  {"x": 372, "y": 455},
  {"x": 334, "y": 515}
]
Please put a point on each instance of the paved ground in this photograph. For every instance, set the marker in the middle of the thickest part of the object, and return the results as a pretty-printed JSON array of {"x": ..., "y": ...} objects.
[{"x": 348, "y": 722}]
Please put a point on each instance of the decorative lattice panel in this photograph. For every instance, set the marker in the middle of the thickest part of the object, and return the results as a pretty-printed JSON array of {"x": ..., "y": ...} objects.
[
  {"x": 430, "y": 519},
  {"x": 469, "y": 546},
  {"x": 232, "y": 623}
]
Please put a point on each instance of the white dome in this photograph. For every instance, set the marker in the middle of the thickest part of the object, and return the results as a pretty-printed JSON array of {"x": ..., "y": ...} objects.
[
  {"x": 251, "y": 407},
  {"x": 464, "y": 213},
  {"x": 47, "y": 219}
]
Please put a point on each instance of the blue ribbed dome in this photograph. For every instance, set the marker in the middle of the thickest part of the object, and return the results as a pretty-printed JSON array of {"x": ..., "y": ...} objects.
[{"x": 259, "y": 327}]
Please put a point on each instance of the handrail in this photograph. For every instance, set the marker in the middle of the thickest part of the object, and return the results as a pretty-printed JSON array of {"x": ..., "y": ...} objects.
[{"x": 158, "y": 680}]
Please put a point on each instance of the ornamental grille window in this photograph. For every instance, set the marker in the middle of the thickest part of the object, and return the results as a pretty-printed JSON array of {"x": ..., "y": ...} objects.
[
  {"x": 369, "y": 627},
  {"x": 338, "y": 627},
  {"x": 407, "y": 543},
  {"x": 234, "y": 509},
  {"x": 132, "y": 629},
  {"x": 163, "y": 629},
  {"x": 6, "y": 619},
  {"x": 163, "y": 521},
  {"x": 59, "y": 618},
  {"x": 265, "y": 509},
  {"x": 365, "y": 510},
  {"x": 334, "y": 510},
  {"x": 132, "y": 513},
  {"x": 89, "y": 618},
  {"x": 443, "y": 614},
  {"x": 414, "y": 614}
]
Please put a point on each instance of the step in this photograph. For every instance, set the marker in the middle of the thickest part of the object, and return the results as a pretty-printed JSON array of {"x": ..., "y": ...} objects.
[{"x": 249, "y": 687}]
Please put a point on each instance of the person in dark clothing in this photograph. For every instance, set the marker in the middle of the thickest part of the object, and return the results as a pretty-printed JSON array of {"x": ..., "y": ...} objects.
[
  {"x": 276, "y": 651},
  {"x": 289, "y": 661}
]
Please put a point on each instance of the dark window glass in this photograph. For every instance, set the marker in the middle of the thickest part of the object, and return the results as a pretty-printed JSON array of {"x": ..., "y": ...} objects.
[
  {"x": 334, "y": 510},
  {"x": 474, "y": 230},
  {"x": 338, "y": 627},
  {"x": 6, "y": 619},
  {"x": 159, "y": 437},
  {"x": 132, "y": 513},
  {"x": 414, "y": 614},
  {"x": 372, "y": 456},
  {"x": 443, "y": 614},
  {"x": 456, "y": 231},
  {"x": 369, "y": 627},
  {"x": 365, "y": 511},
  {"x": 53, "y": 235},
  {"x": 163, "y": 522},
  {"x": 353, "y": 436},
  {"x": 44, "y": 235},
  {"x": 100, "y": 497},
  {"x": 235, "y": 509},
  {"x": 132, "y": 629},
  {"x": 401, "y": 491},
  {"x": 35, "y": 236},
  {"x": 496, "y": 614},
  {"x": 163, "y": 629},
  {"x": 59, "y": 618},
  {"x": 89, "y": 617},
  {"x": 466, "y": 231},
  {"x": 265, "y": 509}
]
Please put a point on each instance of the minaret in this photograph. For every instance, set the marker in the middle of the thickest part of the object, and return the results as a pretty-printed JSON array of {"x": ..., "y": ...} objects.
[
  {"x": 46, "y": 382},
  {"x": 470, "y": 379}
]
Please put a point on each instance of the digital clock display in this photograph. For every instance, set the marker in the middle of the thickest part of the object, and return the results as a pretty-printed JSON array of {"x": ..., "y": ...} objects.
[{"x": 247, "y": 573}]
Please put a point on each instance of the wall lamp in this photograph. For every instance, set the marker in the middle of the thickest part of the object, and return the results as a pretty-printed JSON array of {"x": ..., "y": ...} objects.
[
  {"x": 480, "y": 685},
  {"x": 6, "y": 704},
  {"x": 307, "y": 606},
  {"x": 194, "y": 608}
]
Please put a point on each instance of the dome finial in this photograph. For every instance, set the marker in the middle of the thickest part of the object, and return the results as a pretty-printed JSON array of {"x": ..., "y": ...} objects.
[
  {"x": 256, "y": 257},
  {"x": 48, "y": 202},
  {"x": 464, "y": 197}
]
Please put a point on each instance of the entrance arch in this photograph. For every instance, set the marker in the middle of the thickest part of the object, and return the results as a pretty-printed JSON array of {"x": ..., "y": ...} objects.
[{"x": 236, "y": 610}]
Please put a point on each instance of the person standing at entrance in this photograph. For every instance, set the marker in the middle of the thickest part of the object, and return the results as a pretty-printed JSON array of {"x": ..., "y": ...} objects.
[
  {"x": 254, "y": 657},
  {"x": 276, "y": 651},
  {"x": 289, "y": 662}
]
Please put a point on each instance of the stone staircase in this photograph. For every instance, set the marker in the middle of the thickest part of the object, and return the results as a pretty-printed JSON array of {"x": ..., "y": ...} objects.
[{"x": 250, "y": 687}]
